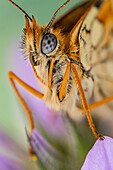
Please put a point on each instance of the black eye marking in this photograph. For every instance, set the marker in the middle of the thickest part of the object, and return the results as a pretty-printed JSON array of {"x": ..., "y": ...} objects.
[
  {"x": 53, "y": 39},
  {"x": 48, "y": 43}
]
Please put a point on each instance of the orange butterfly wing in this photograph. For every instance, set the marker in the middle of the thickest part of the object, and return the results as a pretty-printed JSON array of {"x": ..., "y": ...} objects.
[{"x": 68, "y": 20}]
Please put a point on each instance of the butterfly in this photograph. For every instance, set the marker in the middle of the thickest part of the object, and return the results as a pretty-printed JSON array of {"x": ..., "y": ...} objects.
[{"x": 72, "y": 57}]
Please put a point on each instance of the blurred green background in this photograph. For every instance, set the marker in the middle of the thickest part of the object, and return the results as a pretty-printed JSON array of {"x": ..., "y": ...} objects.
[{"x": 11, "y": 24}]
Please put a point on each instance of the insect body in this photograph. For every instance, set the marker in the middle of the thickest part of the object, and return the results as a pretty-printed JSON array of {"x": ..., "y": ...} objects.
[{"x": 65, "y": 56}]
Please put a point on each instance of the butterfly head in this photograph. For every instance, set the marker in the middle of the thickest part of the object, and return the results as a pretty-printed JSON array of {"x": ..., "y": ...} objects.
[{"x": 41, "y": 41}]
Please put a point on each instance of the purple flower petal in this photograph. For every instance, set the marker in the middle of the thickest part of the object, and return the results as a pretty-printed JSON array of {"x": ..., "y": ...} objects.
[
  {"x": 47, "y": 154},
  {"x": 52, "y": 155},
  {"x": 8, "y": 164},
  {"x": 100, "y": 157},
  {"x": 12, "y": 155},
  {"x": 9, "y": 145}
]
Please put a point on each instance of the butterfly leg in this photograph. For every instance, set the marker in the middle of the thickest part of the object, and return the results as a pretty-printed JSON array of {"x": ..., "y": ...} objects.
[
  {"x": 100, "y": 103},
  {"x": 84, "y": 102},
  {"x": 63, "y": 87},
  {"x": 50, "y": 72},
  {"x": 12, "y": 78}
]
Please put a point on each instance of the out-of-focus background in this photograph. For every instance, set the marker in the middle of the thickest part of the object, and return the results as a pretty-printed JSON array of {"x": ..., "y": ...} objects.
[{"x": 12, "y": 22}]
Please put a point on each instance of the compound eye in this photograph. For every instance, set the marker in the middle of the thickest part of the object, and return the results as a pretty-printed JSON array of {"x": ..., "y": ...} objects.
[{"x": 48, "y": 43}]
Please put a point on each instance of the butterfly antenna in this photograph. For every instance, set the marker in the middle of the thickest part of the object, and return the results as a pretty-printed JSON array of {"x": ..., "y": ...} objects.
[
  {"x": 20, "y": 9},
  {"x": 53, "y": 18}
]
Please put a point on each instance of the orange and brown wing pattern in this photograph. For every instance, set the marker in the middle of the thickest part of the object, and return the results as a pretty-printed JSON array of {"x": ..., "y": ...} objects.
[
  {"x": 96, "y": 47},
  {"x": 68, "y": 20},
  {"x": 96, "y": 31}
]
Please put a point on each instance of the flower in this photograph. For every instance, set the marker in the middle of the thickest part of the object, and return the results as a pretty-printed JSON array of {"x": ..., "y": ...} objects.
[
  {"x": 6, "y": 164},
  {"x": 100, "y": 157},
  {"x": 12, "y": 155},
  {"x": 53, "y": 149}
]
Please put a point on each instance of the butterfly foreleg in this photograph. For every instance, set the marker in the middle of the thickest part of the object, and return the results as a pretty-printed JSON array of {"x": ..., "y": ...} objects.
[
  {"x": 50, "y": 72},
  {"x": 63, "y": 87},
  {"x": 12, "y": 78},
  {"x": 84, "y": 102}
]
